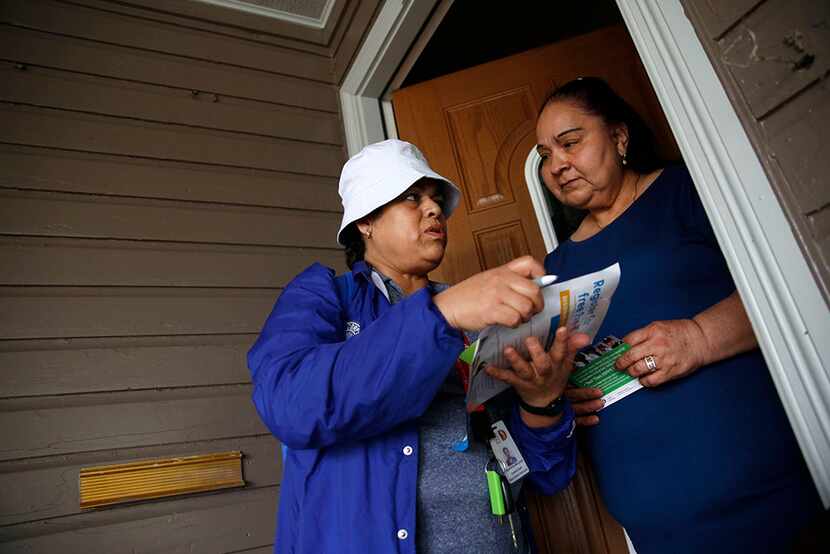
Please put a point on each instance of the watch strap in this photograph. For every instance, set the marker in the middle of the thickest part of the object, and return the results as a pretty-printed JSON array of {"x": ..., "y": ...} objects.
[{"x": 551, "y": 410}]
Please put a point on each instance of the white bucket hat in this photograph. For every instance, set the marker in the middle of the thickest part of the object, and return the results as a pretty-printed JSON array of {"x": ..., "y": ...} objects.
[{"x": 380, "y": 173}]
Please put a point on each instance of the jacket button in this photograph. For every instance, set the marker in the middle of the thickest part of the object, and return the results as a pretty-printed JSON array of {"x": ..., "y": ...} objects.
[
  {"x": 407, "y": 450},
  {"x": 402, "y": 534}
]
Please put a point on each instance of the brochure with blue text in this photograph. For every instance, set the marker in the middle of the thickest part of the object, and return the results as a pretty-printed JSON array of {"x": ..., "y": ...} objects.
[{"x": 580, "y": 303}]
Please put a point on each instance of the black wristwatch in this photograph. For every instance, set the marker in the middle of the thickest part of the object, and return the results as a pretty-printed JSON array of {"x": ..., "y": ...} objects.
[{"x": 551, "y": 410}]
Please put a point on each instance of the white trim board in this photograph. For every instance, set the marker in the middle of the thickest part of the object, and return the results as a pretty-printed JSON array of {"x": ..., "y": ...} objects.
[
  {"x": 536, "y": 188},
  {"x": 395, "y": 28},
  {"x": 315, "y": 22},
  {"x": 787, "y": 311}
]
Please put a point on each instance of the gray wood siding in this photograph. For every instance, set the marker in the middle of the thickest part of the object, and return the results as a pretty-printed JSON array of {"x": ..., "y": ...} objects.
[
  {"x": 37, "y": 48},
  {"x": 232, "y": 521},
  {"x": 33, "y": 168},
  {"x": 36, "y": 213},
  {"x": 773, "y": 57},
  {"x": 166, "y": 168}
]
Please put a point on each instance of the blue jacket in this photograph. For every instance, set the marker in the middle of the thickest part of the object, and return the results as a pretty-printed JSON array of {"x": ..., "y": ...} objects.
[{"x": 348, "y": 409}]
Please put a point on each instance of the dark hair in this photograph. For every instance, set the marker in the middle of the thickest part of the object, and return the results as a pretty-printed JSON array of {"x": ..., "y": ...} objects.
[
  {"x": 596, "y": 97},
  {"x": 353, "y": 241}
]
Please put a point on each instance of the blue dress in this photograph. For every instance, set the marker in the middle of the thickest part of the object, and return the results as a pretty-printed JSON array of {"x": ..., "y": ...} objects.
[{"x": 707, "y": 463}]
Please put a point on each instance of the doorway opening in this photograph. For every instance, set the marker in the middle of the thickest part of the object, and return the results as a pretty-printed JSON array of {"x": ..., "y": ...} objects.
[{"x": 478, "y": 90}]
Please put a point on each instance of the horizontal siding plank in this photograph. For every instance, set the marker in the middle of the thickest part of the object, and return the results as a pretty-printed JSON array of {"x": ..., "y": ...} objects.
[
  {"x": 717, "y": 17},
  {"x": 52, "y": 483},
  {"x": 820, "y": 226},
  {"x": 778, "y": 50},
  {"x": 75, "y": 366},
  {"x": 143, "y": 34},
  {"x": 54, "y": 426},
  {"x": 260, "y": 550},
  {"x": 83, "y": 262},
  {"x": 208, "y": 524},
  {"x": 48, "y": 169},
  {"x": 72, "y": 91},
  {"x": 67, "y": 312},
  {"x": 48, "y": 50},
  {"x": 84, "y": 216},
  {"x": 129, "y": 137},
  {"x": 798, "y": 138}
]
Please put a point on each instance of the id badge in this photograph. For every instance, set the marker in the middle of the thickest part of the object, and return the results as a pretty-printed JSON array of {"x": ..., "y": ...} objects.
[{"x": 507, "y": 453}]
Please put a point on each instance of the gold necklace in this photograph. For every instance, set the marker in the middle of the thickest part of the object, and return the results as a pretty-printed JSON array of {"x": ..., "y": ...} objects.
[{"x": 630, "y": 202}]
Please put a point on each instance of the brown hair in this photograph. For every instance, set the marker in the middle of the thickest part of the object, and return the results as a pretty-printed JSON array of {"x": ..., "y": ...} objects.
[{"x": 596, "y": 97}]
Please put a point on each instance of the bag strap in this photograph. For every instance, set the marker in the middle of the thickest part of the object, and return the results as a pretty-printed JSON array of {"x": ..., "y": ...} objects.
[{"x": 345, "y": 287}]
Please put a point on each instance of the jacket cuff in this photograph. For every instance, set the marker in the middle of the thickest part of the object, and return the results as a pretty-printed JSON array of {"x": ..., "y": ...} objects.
[
  {"x": 447, "y": 330},
  {"x": 543, "y": 447}
]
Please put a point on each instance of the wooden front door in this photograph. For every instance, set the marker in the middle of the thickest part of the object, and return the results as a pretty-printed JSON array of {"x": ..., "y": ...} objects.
[{"x": 477, "y": 128}]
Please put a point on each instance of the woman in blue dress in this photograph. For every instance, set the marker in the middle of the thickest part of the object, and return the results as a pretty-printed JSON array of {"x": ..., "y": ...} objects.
[{"x": 703, "y": 458}]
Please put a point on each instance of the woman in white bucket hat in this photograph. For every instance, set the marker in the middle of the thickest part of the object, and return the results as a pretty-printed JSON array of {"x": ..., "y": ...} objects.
[{"x": 359, "y": 376}]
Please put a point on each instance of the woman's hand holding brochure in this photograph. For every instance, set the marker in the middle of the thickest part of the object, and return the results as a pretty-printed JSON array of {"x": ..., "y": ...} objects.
[
  {"x": 586, "y": 402},
  {"x": 678, "y": 344},
  {"x": 542, "y": 378}
]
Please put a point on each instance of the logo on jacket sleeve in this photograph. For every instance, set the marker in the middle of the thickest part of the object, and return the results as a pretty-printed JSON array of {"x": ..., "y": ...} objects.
[{"x": 352, "y": 329}]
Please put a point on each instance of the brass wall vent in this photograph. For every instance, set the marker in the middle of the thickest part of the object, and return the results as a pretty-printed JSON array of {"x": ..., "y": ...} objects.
[{"x": 128, "y": 482}]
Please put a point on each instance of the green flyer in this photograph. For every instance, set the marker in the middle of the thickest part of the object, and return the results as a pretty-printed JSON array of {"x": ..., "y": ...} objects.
[{"x": 594, "y": 368}]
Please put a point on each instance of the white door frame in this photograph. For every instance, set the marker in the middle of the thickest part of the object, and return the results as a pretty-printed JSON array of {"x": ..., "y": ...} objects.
[{"x": 788, "y": 313}]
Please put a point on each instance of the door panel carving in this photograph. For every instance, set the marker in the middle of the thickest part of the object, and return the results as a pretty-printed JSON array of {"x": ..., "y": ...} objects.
[
  {"x": 494, "y": 124},
  {"x": 500, "y": 245}
]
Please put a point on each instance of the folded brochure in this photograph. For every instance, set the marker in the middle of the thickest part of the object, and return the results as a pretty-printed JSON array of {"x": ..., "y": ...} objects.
[{"x": 581, "y": 304}]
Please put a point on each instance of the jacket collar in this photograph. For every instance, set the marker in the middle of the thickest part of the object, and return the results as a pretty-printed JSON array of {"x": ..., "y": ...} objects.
[
  {"x": 365, "y": 270},
  {"x": 361, "y": 268}
]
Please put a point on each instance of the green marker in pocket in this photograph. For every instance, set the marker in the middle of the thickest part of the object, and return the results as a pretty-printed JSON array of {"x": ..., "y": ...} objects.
[{"x": 496, "y": 494}]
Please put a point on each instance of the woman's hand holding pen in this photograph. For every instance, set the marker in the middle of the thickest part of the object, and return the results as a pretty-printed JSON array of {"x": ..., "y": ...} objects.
[
  {"x": 510, "y": 295},
  {"x": 504, "y": 295}
]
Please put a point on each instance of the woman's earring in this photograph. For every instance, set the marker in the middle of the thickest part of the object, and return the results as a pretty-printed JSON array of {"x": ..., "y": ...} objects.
[{"x": 624, "y": 161}]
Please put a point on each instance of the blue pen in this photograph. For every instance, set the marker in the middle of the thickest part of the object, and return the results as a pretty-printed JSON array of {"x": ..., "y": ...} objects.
[{"x": 545, "y": 281}]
